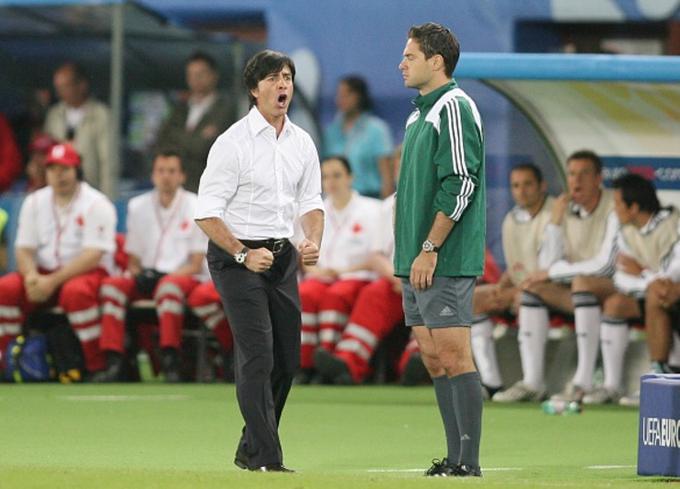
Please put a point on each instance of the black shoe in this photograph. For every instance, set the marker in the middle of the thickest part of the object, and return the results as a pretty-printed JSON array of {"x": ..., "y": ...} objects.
[
  {"x": 332, "y": 368},
  {"x": 170, "y": 365},
  {"x": 463, "y": 470},
  {"x": 440, "y": 468},
  {"x": 114, "y": 369},
  {"x": 304, "y": 376},
  {"x": 272, "y": 468},
  {"x": 415, "y": 372}
]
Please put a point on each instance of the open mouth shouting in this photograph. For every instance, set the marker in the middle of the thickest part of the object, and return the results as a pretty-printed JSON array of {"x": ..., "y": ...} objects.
[{"x": 282, "y": 100}]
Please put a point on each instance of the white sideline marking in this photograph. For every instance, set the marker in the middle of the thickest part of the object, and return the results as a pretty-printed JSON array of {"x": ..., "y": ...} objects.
[
  {"x": 608, "y": 467},
  {"x": 484, "y": 469},
  {"x": 168, "y": 397}
]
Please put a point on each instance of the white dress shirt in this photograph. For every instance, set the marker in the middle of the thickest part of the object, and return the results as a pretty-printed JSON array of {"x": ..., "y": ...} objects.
[{"x": 258, "y": 183}]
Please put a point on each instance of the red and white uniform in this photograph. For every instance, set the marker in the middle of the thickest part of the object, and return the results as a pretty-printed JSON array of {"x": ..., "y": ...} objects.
[
  {"x": 206, "y": 304},
  {"x": 163, "y": 238},
  {"x": 59, "y": 235},
  {"x": 378, "y": 309},
  {"x": 348, "y": 239}
]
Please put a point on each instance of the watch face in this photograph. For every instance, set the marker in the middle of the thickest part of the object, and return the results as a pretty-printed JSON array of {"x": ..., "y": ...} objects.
[
  {"x": 427, "y": 246},
  {"x": 240, "y": 257}
]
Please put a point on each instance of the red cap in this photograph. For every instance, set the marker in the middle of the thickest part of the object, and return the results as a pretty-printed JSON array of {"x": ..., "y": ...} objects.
[
  {"x": 63, "y": 154},
  {"x": 41, "y": 143}
]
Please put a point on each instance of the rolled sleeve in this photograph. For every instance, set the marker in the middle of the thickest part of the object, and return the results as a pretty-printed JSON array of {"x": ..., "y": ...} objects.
[
  {"x": 309, "y": 187},
  {"x": 219, "y": 180},
  {"x": 458, "y": 158}
]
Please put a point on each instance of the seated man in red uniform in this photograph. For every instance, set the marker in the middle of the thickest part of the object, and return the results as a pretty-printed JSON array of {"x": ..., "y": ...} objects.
[
  {"x": 166, "y": 262},
  {"x": 330, "y": 289},
  {"x": 64, "y": 248}
]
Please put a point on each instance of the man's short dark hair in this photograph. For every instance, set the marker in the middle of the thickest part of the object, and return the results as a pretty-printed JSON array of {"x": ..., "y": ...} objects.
[
  {"x": 168, "y": 153},
  {"x": 586, "y": 154},
  {"x": 358, "y": 85},
  {"x": 203, "y": 57},
  {"x": 262, "y": 65},
  {"x": 437, "y": 39},
  {"x": 636, "y": 189},
  {"x": 530, "y": 167},
  {"x": 79, "y": 73},
  {"x": 343, "y": 161}
]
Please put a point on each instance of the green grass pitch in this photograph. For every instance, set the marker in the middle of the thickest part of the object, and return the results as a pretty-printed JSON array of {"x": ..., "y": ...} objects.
[{"x": 184, "y": 436}]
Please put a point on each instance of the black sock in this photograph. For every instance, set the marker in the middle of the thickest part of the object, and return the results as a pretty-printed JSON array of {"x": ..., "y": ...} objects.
[
  {"x": 444, "y": 393},
  {"x": 467, "y": 401}
]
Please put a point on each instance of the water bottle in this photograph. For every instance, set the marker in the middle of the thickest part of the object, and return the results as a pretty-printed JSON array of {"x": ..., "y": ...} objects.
[{"x": 561, "y": 407}]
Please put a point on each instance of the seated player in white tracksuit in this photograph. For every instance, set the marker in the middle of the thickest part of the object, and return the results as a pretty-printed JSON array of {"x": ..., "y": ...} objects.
[
  {"x": 65, "y": 245},
  {"x": 166, "y": 262},
  {"x": 330, "y": 289},
  {"x": 580, "y": 243},
  {"x": 522, "y": 235},
  {"x": 649, "y": 252}
]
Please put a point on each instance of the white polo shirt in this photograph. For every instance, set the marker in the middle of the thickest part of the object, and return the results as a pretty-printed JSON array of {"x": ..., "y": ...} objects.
[
  {"x": 60, "y": 234},
  {"x": 349, "y": 236},
  {"x": 258, "y": 183},
  {"x": 163, "y": 238}
]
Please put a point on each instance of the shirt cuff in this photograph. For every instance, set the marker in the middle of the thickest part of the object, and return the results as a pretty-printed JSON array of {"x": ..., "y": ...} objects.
[
  {"x": 209, "y": 207},
  {"x": 311, "y": 205}
]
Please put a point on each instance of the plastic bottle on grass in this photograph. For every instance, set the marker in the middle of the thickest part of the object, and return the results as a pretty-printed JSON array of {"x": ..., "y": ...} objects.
[{"x": 561, "y": 407}]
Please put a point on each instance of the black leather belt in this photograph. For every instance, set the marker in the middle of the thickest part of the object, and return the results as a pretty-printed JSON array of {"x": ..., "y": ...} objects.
[{"x": 276, "y": 246}]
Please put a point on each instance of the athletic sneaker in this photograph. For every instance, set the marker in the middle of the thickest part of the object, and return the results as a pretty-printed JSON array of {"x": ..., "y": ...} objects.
[
  {"x": 632, "y": 400},
  {"x": 444, "y": 468},
  {"x": 571, "y": 392},
  {"x": 602, "y": 395},
  {"x": 519, "y": 392}
]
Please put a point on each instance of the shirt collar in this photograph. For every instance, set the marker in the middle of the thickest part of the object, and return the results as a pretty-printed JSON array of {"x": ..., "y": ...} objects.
[
  {"x": 424, "y": 102},
  {"x": 258, "y": 123},
  {"x": 655, "y": 220},
  {"x": 204, "y": 102}
]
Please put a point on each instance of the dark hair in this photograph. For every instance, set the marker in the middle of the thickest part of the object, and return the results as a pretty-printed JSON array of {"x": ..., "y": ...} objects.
[
  {"x": 203, "y": 57},
  {"x": 262, "y": 65},
  {"x": 636, "y": 189},
  {"x": 358, "y": 85},
  {"x": 168, "y": 153},
  {"x": 586, "y": 154},
  {"x": 341, "y": 159},
  {"x": 437, "y": 39},
  {"x": 538, "y": 174},
  {"x": 79, "y": 73}
]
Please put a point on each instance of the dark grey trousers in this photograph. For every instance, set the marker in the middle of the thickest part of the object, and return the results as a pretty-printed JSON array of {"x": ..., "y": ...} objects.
[{"x": 263, "y": 310}]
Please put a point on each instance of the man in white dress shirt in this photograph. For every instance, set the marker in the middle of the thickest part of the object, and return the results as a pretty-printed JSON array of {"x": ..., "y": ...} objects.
[{"x": 261, "y": 174}]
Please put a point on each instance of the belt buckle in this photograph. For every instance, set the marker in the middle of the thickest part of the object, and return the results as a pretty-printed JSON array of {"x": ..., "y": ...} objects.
[{"x": 277, "y": 245}]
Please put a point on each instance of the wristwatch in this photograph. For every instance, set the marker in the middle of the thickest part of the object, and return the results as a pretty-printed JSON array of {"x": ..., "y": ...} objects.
[
  {"x": 429, "y": 247},
  {"x": 240, "y": 257}
]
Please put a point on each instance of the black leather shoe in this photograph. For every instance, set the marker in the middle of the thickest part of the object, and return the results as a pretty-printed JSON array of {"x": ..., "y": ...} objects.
[
  {"x": 332, "y": 368},
  {"x": 273, "y": 468},
  {"x": 114, "y": 369}
]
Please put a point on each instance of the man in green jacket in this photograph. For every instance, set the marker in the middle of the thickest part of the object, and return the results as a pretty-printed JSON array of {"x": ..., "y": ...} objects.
[{"x": 440, "y": 236}]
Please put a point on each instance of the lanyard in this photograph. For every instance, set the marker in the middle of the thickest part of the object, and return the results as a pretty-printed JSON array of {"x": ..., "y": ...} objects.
[
  {"x": 338, "y": 226},
  {"x": 62, "y": 228},
  {"x": 164, "y": 226}
]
